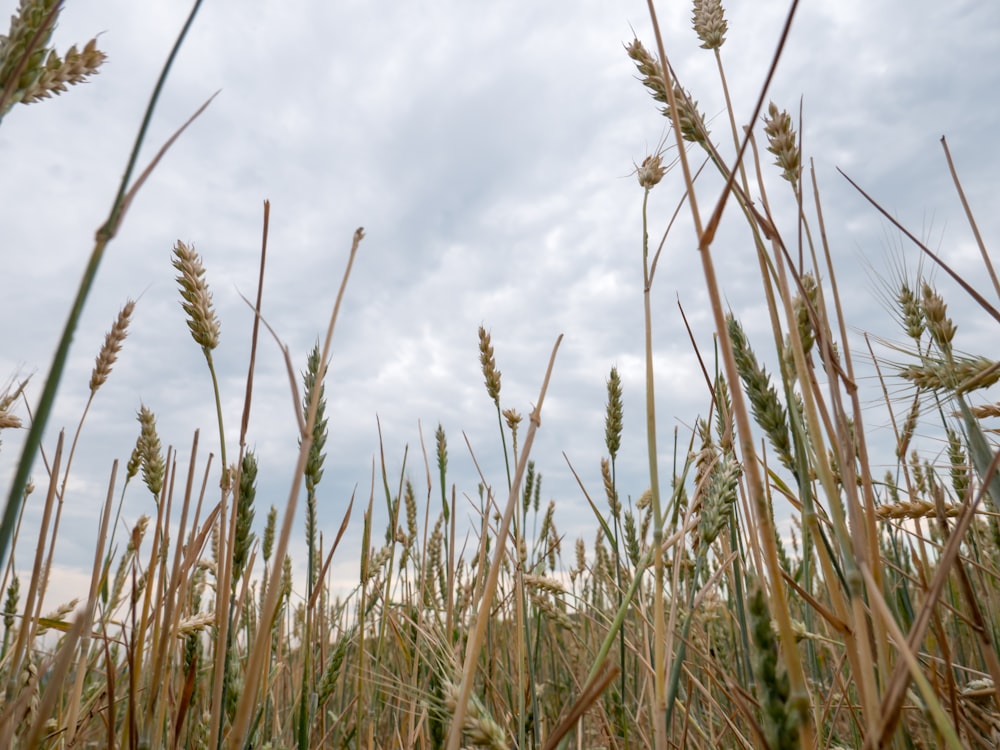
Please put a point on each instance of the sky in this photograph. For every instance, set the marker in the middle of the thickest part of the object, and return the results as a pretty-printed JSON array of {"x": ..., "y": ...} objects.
[{"x": 488, "y": 150}]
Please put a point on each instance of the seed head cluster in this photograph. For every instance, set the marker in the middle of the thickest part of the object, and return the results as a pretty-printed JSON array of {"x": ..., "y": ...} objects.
[
  {"x": 195, "y": 296},
  {"x": 689, "y": 119},
  {"x": 489, "y": 364},
  {"x": 113, "y": 341},
  {"x": 29, "y": 70},
  {"x": 782, "y": 142},
  {"x": 709, "y": 23}
]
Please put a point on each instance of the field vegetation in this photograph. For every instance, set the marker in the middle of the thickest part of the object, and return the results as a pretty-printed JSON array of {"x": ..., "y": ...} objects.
[{"x": 685, "y": 620}]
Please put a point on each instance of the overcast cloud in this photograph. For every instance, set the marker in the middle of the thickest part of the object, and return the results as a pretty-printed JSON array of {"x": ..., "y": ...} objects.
[{"x": 487, "y": 149}]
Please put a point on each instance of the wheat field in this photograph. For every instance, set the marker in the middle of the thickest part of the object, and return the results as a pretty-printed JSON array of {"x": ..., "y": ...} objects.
[{"x": 692, "y": 615}]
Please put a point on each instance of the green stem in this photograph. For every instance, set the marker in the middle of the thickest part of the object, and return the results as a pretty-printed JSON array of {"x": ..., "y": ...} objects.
[
  {"x": 218, "y": 411},
  {"x": 659, "y": 625},
  {"x": 503, "y": 441},
  {"x": 303, "y": 718},
  {"x": 675, "y": 669},
  {"x": 225, "y": 482},
  {"x": 622, "y": 726},
  {"x": 644, "y": 562},
  {"x": 654, "y": 475}
]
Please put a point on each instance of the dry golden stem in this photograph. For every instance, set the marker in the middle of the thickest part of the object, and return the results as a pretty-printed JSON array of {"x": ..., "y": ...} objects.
[
  {"x": 754, "y": 482},
  {"x": 255, "y": 666},
  {"x": 475, "y": 642},
  {"x": 990, "y": 270},
  {"x": 73, "y": 707}
]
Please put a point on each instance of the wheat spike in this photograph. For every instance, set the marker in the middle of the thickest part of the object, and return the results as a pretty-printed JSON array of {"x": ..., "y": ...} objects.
[
  {"x": 489, "y": 363},
  {"x": 8, "y": 396},
  {"x": 767, "y": 409},
  {"x": 195, "y": 623},
  {"x": 153, "y": 466},
  {"x": 197, "y": 300},
  {"x": 479, "y": 727},
  {"x": 942, "y": 327},
  {"x": 58, "y": 73},
  {"x": 709, "y": 23},
  {"x": 113, "y": 341},
  {"x": 961, "y": 374},
  {"x": 913, "y": 314},
  {"x": 690, "y": 121},
  {"x": 650, "y": 172},
  {"x": 720, "y": 498},
  {"x": 913, "y": 509},
  {"x": 782, "y": 142},
  {"x": 985, "y": 411},
  {"x": 30, "y": 30}
]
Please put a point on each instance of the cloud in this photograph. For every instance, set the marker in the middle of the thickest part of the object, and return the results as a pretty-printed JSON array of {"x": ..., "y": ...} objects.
[{"x": 487, "y": 151}]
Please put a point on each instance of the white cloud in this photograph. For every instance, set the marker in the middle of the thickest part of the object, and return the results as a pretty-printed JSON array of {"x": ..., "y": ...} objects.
[{"x": 487, "y": 151}]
